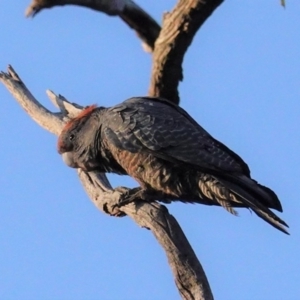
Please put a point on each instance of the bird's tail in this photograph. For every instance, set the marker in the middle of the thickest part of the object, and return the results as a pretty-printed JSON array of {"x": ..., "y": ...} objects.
[{"x": 245, "y": 192}]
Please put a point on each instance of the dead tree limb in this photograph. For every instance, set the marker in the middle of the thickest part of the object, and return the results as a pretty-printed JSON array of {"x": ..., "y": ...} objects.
[
  {"x": 133, "y": 15},
  {"x": 169, "y": 45},
  {"x": 187, "y": 270},
  {"x": 178, "y": 30}
]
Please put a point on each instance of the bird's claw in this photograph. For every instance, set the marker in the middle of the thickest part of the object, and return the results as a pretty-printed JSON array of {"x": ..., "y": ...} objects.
[
  {"x": 130, "y": 196},
  {"x": 137, "y": 194}
]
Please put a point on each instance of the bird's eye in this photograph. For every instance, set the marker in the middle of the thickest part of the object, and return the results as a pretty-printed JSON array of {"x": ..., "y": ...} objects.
[{"x": 71, "y": 137}]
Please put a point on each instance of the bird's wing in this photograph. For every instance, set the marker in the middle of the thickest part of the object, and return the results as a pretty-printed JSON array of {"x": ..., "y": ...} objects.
[{"x": 156, "y": 125}]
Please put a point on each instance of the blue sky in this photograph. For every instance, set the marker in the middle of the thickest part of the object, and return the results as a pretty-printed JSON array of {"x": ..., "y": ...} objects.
[{"x": 241, "y": 83}]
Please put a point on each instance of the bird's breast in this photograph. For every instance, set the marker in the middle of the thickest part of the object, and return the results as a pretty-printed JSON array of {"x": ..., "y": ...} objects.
[{"x": 156, "y": 173}]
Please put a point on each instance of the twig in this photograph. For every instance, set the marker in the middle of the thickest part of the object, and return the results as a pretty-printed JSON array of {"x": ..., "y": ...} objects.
[{"x": 49, "y": 121}]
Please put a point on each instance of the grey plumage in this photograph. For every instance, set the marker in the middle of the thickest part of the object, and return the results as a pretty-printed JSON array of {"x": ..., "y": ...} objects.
[{"x": 167, "y": 151}]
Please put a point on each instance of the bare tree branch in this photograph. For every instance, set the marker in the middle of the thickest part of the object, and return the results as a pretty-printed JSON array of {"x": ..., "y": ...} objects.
[
  {"x": 178, "y": 30},
  {"x": 172, "y": 42},
  {"x": 187, "y": 270},
  {"x": 46, "y": 119},
  {"x": 133, "y": 15}
]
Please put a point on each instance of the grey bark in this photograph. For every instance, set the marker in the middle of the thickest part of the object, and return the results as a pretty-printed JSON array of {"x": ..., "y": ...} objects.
[{"x": 133, "y": 15}]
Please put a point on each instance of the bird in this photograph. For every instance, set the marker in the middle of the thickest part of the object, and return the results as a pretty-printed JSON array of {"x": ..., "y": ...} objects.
[{"x": 168, "y": 153}]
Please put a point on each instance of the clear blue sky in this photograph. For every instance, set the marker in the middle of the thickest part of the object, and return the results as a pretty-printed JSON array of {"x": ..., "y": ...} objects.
[{"x": 241, "y": 84}]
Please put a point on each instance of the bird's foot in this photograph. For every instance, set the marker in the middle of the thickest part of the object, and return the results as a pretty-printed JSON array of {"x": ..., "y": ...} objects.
[{"x": 137, "y": 194}]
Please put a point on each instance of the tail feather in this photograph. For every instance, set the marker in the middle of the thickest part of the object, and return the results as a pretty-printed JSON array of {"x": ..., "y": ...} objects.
[
  {"x": 277, "y": 223},
  {"x": 256, "y": 198},
  {"x": 274, "y": 201},
  {"x": 265, "y": 195}
]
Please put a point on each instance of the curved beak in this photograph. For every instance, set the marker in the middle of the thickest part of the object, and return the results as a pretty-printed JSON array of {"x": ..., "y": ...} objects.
[{"x": 68, "y": 159}]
